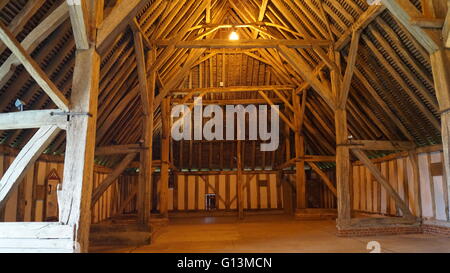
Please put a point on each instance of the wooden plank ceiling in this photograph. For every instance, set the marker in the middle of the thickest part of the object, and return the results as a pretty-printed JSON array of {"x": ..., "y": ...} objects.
[{"x": 392, "y": 95}]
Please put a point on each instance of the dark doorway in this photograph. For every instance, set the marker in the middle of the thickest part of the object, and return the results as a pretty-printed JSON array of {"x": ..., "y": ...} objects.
[{"x": 210, "y": 201}]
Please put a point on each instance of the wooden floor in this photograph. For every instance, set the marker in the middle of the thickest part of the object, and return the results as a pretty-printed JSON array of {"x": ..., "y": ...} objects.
[{"x": 274, "y": 233}]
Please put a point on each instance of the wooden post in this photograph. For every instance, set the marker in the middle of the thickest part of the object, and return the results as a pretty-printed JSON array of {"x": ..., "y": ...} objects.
[
  {"x": 441, "y": 74},
  {"x": 342, "y": 167},
  {"x": 288, "y": 192},
  {"x": 414, "y": 159},
  {"x": 299, "y": 153},
  {"x": 75, "y": 197},
  {"x": 341, "y": 89},
  {"x": 165, "y": 147},
  {"x": 240, "y": 182},
  {"x": 342, "y": 152},
  {"x": 145, "y": 175}
]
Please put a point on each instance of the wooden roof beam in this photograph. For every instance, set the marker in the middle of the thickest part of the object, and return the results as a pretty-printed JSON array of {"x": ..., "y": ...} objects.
[
  {"x": 118, "y": 149},
  {"x": 363, "y": 21},
  {"x": 446, "y": 29},
  {"x": 380, "y": 145},
  {"x": 34, "y": 38},
  {"x": 17, "y": 24},
  {"x": 262, "y": 10},
  {"x": 229, "y": 102},
  {"x": 405, "y": 11},
  {"x": 142, "y": 72},
  {"x": 232, "y": 89},
  {"x": 246, "y": 44},
  {"x": 262, "y": 13},
  {"x": 33, "y": 68},
  {"x": 179, "y": 76},
  {"x": 351, "y": 61},
  {"x": 302, "y": 68},
  {"x": 283, "y": 116},
  {"x": 77, "y": 11},
  {"x": 117, "y": 21}
]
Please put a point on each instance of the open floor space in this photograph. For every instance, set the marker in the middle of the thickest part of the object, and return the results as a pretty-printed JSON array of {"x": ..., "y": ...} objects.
[{"x": 274, "y": 234}]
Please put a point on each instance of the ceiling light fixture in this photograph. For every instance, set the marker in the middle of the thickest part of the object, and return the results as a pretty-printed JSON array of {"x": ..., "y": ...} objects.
[{"x": 234, "y": 36}]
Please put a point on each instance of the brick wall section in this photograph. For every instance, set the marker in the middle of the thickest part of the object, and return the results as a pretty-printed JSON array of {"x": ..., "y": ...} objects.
[
  {"x": 438, "y": 230},
  {"x": 376, "y": 231},
  {"x": 394, "y": 230}
]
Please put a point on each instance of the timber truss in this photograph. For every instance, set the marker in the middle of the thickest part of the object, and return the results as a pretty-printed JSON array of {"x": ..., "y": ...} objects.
[{"x": 312, "y": 53}]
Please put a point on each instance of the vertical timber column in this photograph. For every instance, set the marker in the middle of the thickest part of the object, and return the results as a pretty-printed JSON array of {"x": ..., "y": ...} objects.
[
  {"x": 342, "y": 151},
  {"x": 75, "y": 197},
  {"x": 342, "y": 167},
  {"x": 165, "y": 143},
  {"x": 299, "y": 154},
  {"x": 287, "y": 188},
  {"x": 240, "y": 182},
  {"x": 146, "y": 164},
  {"x": 440, "y": 61}
]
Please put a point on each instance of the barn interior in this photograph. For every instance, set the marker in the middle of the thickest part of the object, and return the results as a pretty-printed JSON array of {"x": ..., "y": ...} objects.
[{"x": 360, "y": 90}]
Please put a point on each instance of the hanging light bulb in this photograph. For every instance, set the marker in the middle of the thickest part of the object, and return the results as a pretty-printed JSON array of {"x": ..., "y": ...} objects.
[{"x": 234, "y": 36}]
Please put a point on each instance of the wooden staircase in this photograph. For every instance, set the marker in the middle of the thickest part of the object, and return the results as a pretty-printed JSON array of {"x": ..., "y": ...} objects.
[
  {"x": 125, "y": 231},
  {"x": 120, "y": 231}
]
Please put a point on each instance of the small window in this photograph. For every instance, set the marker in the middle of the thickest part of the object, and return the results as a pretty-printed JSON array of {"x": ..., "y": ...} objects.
[{"x": 210, "y": 201}]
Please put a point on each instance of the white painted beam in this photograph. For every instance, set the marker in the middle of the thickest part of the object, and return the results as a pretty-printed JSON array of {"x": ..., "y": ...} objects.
[
  {"x": 32, "y": 119},
  {"x": 27, "y": 237},
  {"x": 79, "y": 22}
]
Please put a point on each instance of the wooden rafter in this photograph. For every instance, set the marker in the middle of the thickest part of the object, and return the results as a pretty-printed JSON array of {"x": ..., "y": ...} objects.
[
  {"x": 404, "y": 11},
  {"x": 34, "y": 38},
  {"x": 33, "y": 68},
  {"x": 16, "y": 25},
  {"x": 307, "y": 74},
  {"x": 117, "y": 21}
]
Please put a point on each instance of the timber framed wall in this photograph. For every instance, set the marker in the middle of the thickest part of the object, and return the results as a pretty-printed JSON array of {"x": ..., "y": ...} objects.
[
  {"x": 263, "y": 191},
  {"x": 28, "y": 202},
  {"x": 427, "y": 197}
]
